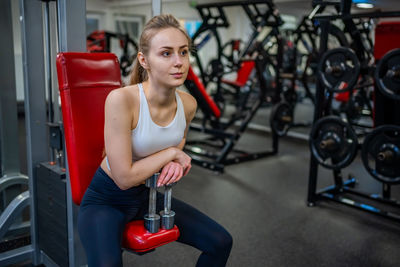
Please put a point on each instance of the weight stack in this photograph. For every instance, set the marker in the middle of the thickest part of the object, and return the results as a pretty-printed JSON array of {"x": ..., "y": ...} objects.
[
  {"x": 52, "y": 212},
  {"x": 387, "y": 37}
]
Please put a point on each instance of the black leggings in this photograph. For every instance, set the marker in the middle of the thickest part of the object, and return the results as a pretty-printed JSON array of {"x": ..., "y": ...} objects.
[{"x": 105, "y": 209}]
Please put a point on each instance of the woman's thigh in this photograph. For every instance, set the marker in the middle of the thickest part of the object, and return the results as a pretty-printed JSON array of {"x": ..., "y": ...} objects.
[
  {"x": 199, "y": 230},
  {"x": 100, "y": 229}
]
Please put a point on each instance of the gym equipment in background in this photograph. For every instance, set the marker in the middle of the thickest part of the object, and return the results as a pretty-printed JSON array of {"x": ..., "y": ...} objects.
[
  {"x": 387, "y": 75},
  {"x": 216, "y": 150},
  {"x": 380, "y": 145},
  {"x": 100, "y": 41}
]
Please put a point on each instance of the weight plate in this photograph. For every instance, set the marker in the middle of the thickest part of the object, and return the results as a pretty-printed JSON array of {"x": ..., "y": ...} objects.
[
  {"x": 381, "y": 153},
  {"x": 333, "y": 142},
  {"x": 387, "y": 74},
  {"x": 281, "y": 118},
  {"x": 338, "y": 69}
]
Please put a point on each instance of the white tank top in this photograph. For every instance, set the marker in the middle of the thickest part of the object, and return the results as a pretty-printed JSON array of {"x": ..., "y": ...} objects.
[{"x": 149, "y": 137}]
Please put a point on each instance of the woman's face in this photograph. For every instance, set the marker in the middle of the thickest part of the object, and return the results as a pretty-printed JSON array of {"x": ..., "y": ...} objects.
[{"x": 168, "y": 58}]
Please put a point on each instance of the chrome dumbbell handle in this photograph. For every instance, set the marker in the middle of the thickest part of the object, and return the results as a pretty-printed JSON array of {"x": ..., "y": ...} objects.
[
  {"x": 152, "y": 220},
  {"x": 167, "y": 215},
  {"x": 167, "y": 198}
]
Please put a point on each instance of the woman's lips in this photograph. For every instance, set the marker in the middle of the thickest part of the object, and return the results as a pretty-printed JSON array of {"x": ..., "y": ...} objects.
[{"x": 177, "y": 75}]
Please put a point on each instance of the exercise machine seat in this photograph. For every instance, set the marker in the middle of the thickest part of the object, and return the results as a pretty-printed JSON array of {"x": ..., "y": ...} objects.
[
  {"x": 242, "y": 75},
  {"x": 85, "y": 80},
  {"x": 197, "y": 89}
]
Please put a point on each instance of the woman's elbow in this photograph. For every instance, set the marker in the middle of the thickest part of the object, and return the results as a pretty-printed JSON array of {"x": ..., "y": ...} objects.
[{"x": 122, "y": 181}]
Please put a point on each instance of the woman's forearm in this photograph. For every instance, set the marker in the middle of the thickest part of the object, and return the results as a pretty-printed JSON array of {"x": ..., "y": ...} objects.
[{"x": 144, "y": 168}]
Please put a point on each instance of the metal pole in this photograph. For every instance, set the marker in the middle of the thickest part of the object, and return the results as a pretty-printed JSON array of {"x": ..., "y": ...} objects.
[
  {"x": 155, "y": 7},
  {"x": 35, "y": 103},
  {"x": 72, "y": 37},
  {"x": 9, "y": 145}
]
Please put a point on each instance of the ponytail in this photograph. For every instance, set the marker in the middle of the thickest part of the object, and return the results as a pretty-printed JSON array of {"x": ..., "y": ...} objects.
[{"x": 139, "y": 74}]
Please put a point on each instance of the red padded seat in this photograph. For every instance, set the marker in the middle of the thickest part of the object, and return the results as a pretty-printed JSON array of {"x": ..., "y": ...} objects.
[
  {"x": 242, "y": 75},
  {"x": 85, "y": 80}
]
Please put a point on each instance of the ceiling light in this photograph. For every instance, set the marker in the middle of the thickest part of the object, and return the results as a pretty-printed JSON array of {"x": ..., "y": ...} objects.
[{"x": 364, "y": 5}]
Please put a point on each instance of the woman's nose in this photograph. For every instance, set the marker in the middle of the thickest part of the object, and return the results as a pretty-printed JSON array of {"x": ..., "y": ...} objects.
[{"x": 178, "y": 61}]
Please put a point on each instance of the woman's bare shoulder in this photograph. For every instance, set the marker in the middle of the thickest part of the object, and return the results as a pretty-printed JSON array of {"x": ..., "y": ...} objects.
[
  {"x": 189, "y": 103},
  {"x": 128, "y": 95}
]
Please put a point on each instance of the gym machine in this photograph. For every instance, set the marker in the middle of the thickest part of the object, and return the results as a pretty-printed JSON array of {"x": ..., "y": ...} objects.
[
  {"x": 261, "y": 14},
  {"x": 217, "y": 150},
  {"x": 53, "y": 239},
  {"x": 100, "y": 41},
  {"x": 303, "y": 66},
  {"x": 334, "y": 141}
]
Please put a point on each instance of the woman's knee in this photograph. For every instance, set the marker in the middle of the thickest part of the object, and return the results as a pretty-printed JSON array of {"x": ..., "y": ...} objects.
[{"x": 225, "y": 241}]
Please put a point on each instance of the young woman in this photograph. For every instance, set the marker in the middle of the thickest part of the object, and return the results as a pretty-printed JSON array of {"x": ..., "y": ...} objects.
[{"x": 145, "y": 129}]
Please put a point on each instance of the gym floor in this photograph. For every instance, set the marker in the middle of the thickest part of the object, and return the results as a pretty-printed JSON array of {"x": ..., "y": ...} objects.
[{"x": 262, "y": 204}]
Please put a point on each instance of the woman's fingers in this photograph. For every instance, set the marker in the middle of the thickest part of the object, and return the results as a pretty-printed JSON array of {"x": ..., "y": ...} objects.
[
  {"x": 178, "y": 176},
  {"x": 171, "y": 173},
  {"x": 187, "y": 169},
  {"x": 162, "y": 175}
]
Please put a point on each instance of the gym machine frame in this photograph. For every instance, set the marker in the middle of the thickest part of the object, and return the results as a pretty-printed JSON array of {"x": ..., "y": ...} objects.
[
  {"x": 340, "y": 187},
  {"x": 213, "y": 17},
  {"x": 14, "y": 227},
  {"x": 218, "y": 161}
]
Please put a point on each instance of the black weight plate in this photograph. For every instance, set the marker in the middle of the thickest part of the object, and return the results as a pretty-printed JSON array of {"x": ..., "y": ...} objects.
[
  {"x": 381, "y": 153},
  {"x": 339, "y": 69},
  {"x": 387, "y": 74},
  {"x": 281, "y": 118},
  {"x": 340, "y": 139}
]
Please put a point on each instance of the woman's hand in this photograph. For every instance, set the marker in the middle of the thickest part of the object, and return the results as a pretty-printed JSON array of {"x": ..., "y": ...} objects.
[
  {"x": 184, "y": 160},
  {"x": 170, "y": 173}
]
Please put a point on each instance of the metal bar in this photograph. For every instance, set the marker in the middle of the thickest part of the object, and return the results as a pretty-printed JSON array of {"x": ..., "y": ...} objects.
[
  {"x": 219, "y": 133},
  {"x": 13, "y": 211},
  {"x": 331, "y": 188},
  {"x": 167, "y": 199},
  {"x": 72, "y": 37},
  {"x": 378, "y": 14},
  {"x": 156, "y": 7},
  {"x": 249, "y": 157},
  {"x": 361, "y": 206},
  {"x": 35, "y": 104},
  {"x": 152, "y": 201},
  {"x": 8, "y": 181},
  {"x": 16, "y": 255},
  {"x": 9, "y": 145},
  {"x": 374, "y": 197},
  {"x": 48, "y": 65},
  {"x": 233, "y": 3}
]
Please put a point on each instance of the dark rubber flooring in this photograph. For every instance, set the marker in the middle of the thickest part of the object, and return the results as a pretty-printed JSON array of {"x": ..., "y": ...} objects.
[{"x": 262, "y": 203}]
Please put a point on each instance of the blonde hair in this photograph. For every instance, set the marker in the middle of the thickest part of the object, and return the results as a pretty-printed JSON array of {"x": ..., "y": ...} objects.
[{"x": 157, "y": 23}]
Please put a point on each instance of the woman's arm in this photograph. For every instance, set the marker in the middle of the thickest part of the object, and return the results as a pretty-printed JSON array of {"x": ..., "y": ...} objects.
[
  {"x": 190, "y": 106},
  {"x": 118, "y": 144},
  {"x": 172, "y": 173}
]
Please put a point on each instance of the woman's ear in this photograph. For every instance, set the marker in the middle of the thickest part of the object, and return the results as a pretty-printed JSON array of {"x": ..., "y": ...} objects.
[{"x": 142, "y": 61}]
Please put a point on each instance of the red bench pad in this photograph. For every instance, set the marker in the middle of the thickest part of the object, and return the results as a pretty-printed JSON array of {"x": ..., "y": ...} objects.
[{"x": 137, "y": 238}]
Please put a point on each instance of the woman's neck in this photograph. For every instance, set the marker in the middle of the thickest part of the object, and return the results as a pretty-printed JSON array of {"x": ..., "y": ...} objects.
[{"x": 158, "y": 95}]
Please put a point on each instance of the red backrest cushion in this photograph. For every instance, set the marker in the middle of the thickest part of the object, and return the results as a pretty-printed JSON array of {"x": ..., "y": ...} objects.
[
  {"x": 244, "y": 72},
  {"x": 84, "y": 80}
]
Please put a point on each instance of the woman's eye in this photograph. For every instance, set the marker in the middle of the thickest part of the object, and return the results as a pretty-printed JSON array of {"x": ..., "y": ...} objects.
[
  {"x": 165, "y": 54},
  {"x": 184, "y": 52}
]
